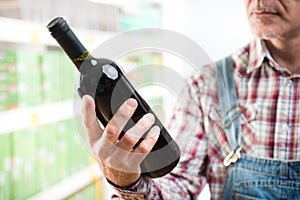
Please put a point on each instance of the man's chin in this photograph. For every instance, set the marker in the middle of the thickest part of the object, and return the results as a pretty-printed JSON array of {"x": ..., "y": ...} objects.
[{"x": 267, "y": 34}]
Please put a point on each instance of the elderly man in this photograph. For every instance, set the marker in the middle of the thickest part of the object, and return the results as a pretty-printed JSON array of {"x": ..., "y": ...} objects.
[{"x": 266, "y": 77}]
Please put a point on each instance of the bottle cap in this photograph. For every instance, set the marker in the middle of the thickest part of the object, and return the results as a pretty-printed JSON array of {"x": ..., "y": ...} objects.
[{"x": 66, "y": 38}]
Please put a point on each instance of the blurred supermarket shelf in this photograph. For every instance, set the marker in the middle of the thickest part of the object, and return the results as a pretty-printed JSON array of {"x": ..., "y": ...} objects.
[
  {"x": 71, "y": 185},
  {"x": 27, "y": 32},
  {"x": 24, "y": 118}
]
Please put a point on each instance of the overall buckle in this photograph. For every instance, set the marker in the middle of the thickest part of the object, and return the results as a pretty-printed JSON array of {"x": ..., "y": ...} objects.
[{"x": 232, "y": 157}]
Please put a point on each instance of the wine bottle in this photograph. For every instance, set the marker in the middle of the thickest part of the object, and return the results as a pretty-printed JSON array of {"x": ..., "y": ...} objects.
[{"x": 104, "y": 80}]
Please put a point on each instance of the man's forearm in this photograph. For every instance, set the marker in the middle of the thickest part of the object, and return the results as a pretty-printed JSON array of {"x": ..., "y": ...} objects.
[{"x": 169, "y": 187}]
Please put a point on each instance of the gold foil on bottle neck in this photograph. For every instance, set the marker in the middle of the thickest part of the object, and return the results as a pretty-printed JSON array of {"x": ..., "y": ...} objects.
[{"x": 86, "y": 55}]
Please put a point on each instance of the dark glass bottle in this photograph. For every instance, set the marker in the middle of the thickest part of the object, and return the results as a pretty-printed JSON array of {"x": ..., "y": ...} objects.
[{"x": 107, "y": 84}]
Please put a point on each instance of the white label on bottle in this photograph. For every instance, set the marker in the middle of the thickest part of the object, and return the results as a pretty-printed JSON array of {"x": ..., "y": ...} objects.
[
  {"x": 110, "y": 71},
  {"x": 94, "y": 62}
]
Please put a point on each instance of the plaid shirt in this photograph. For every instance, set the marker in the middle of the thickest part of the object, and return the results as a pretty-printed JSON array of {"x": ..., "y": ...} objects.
[{"x": 270, "y": 128}]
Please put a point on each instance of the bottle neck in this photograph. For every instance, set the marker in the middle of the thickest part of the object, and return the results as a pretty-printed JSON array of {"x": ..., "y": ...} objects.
[
  {"x": 61, "y": 31},
  {"x": 79, "y": 60}
]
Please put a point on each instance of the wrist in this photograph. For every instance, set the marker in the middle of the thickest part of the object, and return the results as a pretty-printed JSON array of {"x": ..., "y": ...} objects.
[{"x": 126, "y": 187}]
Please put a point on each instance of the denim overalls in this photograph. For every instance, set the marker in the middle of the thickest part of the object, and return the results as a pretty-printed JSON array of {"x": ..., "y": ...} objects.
[{"x": 249, "y": 177}]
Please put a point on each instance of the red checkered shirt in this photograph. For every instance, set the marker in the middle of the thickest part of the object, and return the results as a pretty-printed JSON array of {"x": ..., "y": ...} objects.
[{"x": 270, "y": 128}]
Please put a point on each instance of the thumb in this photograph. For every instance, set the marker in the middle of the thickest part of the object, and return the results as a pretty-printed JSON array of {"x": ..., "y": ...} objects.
[{"x": 90, "y": 120}]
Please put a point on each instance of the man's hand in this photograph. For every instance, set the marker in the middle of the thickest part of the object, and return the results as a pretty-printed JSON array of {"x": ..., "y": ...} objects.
[{"x": 119, "y": 162}]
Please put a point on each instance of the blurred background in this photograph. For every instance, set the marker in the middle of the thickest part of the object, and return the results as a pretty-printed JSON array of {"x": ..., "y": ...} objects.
[{"x": 41, "y": 155}]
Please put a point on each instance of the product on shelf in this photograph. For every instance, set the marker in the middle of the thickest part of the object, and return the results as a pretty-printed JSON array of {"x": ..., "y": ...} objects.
[
  {"x": 5, "y": 166},
  {"x": 8, "y": 81},
  {"x": 58, "y": 79},
  {"x": 68, "y": 144},
  {"x": 48, "y": 168},
  {"x": 50, "y": 74},
  {"x": 67, "y": 78},
  {"x": 28, "y": 79},
  {"x": 24, "y": 164}
]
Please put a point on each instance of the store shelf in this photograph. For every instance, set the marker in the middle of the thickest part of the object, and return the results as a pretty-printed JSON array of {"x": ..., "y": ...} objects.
[
  {"x": 26, "y": 32},
  {"x": 69, "y": 186},
  {"x": 24, "y": 118}
]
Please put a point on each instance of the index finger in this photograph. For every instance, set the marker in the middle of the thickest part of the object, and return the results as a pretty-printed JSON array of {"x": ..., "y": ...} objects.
[{"x": 115, "y": 126}]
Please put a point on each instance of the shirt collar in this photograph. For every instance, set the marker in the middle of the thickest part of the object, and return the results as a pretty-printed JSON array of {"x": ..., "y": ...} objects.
[{"x": 258, "y": 52}]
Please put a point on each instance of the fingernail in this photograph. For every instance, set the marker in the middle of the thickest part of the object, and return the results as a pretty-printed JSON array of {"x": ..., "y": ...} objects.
[
  {"x": 84, "y": 101},
  {"x": 132, "y": 103},
  {"x": 155, "y": 130},
  {"x": 150, "y": 117}
]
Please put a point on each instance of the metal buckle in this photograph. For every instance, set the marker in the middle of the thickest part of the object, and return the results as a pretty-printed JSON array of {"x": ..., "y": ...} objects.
[
  {"x": 239, "y": 111},
  {"x": 232, "y": 157}
]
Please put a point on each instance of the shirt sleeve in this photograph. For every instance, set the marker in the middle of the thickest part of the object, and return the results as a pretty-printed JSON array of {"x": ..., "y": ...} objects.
[{"x": 188, "y": 178}]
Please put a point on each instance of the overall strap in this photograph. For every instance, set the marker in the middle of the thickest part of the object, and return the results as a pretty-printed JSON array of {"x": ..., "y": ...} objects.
[{"x": 229, "y": 107}]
